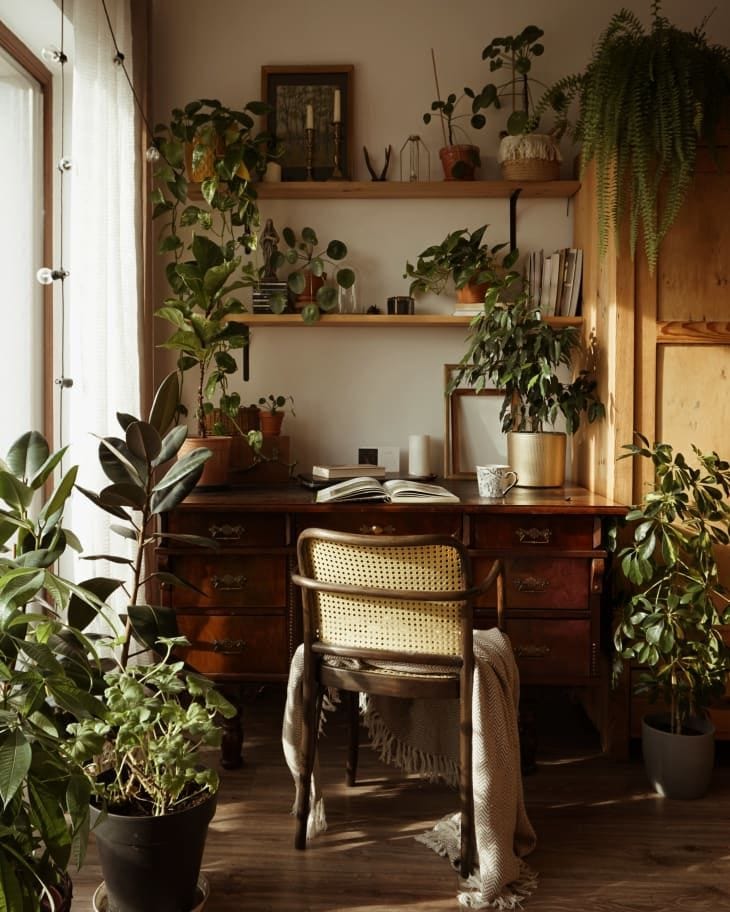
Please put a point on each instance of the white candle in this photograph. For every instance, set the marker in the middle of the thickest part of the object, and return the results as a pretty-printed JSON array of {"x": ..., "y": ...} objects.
[
  {"x": 419, "y": 456},
  {"x": 336, "y": 116},
  {"x": 310, "y": 117}
]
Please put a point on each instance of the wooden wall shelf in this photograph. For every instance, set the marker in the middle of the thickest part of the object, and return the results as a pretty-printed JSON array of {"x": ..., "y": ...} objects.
[
  {"x": 499, "y": 189},
  {"x": 333, "y": 321},
  {"x": 693, "y": 333}
]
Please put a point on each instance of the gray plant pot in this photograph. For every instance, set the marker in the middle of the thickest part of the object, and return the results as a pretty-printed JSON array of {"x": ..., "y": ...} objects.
[{"x": 678, "y": 766}]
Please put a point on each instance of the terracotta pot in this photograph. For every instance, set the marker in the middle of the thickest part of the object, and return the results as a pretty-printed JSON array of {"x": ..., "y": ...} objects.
[
  {"x": 215, "y": 471},
  {"x": 459, "y": 162},
  {"x": 270, "y": 423},
  {"x": 471, "y": 293},
  {"x": 312, "y": 285},
  {"x": 247, "y": 420}
]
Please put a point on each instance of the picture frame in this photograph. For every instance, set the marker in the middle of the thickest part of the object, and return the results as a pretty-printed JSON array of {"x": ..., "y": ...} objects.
[
  {"x": 288, "y": 90},
  {"x": 472, "y": 429}
]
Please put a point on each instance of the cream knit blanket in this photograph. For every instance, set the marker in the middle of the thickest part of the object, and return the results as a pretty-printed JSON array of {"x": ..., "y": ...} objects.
[{"x": 422, "y": 737}]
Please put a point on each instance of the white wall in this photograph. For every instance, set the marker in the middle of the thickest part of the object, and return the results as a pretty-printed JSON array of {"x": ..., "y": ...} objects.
[{"x": 365, "y": 386}]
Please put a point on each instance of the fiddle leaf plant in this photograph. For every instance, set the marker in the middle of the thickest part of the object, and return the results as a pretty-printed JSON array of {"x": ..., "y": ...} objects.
[{"x": 674, "y": 604}]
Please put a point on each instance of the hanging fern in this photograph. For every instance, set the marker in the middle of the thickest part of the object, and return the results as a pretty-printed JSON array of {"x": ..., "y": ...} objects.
[{"x": 645, "y": 101}]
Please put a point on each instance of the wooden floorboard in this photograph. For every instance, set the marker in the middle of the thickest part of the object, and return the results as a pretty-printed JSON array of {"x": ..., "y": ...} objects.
[{"x": 605, "y": 841}]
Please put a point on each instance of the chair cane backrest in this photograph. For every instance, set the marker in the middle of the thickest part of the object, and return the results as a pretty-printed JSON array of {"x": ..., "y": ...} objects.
[{"x": 395, "y": 593}]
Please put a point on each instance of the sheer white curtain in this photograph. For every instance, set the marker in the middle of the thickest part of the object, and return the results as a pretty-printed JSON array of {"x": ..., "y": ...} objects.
[{"x": 104, "y": 263}]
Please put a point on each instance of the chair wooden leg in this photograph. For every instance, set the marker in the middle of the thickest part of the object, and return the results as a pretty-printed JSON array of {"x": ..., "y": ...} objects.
[
  {"x": 467, "y": 849},
  {"x": 352, "y": 699},
  {"x": 308, "y": 749}
]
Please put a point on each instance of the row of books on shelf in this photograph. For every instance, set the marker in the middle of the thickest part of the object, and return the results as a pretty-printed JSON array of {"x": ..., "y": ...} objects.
[{"x": 554, "y": 280}]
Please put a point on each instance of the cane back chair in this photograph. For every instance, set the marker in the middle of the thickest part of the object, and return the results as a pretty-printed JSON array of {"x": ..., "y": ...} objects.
[{"x": 371, "y": 603}]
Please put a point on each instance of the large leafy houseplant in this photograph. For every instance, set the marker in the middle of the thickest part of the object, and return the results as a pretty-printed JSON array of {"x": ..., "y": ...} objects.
[
  {"x": 142, "y": 757},
  {"x": 513, "y": 349},
  {"x": 207, "y": 234},
  {"x": 48, "y": 676},
  {"x": 462, "y": 256},
  {"x": 674, "y": 603},
  {"x": 645, "y": 101}
]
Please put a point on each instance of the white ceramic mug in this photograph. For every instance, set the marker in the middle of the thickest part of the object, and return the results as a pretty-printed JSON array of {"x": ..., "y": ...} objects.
[{"x": 495, "y": 480}]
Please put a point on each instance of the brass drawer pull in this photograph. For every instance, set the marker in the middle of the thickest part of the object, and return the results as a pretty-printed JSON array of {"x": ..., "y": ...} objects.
[
  {"x": 228, "y": 583},
  {"x": 531, "y": 584},
  {"x": 226, "y": 532},
  {"x": 531, "y": 651},
  {"x": 377, "y": 530},
  {"x": 534, "y": 536},
  {"x": 229, "y": 646}
]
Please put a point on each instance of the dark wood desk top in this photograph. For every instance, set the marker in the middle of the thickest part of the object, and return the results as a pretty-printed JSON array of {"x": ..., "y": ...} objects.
[{"x": 293, "y": 497}]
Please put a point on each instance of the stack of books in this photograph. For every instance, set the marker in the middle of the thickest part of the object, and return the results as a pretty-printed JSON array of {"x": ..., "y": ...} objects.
[
  {"x": 264, "y": 291},
  {"x": 555, "y": 281},
  {"x": 348, "y": 471}
]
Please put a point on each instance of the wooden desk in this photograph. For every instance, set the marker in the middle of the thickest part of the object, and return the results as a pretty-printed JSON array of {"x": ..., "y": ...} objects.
[{"x": 245, "y": 625}]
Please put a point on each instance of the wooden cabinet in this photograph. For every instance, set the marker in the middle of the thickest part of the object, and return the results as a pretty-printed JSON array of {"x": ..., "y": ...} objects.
[{"x": 242, "y": 617}]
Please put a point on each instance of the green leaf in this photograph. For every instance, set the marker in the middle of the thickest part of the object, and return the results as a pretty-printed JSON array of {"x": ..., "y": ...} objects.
[
  {"x": 171, "y": 444},
  {"x": 27, "y": 454},
  {"x": 143, "y": 441},
  {"x": 82, "y": 612},
  {"x": 15, "y": 759},
  {"x": 166, "y": 401},
  {"x": 179, "y": 480}
]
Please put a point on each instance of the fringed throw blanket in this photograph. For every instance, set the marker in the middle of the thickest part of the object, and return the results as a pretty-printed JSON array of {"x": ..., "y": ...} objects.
[{"x": 422, "y": 737}]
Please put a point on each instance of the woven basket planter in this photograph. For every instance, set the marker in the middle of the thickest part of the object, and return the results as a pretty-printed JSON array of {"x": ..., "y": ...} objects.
[{"x": 532, "y": 157}]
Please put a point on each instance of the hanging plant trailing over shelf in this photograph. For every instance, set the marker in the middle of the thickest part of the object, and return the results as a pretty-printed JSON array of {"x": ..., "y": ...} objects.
[{"x": 646, "y": 100}]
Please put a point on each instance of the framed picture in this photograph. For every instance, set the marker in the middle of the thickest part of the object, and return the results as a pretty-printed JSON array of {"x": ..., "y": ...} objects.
[
  {"x": 328, "y": 89},
  {"x": 473, "y": 429}
]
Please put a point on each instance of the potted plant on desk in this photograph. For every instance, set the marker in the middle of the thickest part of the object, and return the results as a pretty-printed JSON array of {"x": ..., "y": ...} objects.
[
  {"x": 671, "y": 614},
  {"x": 152, "y": 799},
  {"x": 272, "y": 412},
  {"x": 513, "y": 349},
  {"x": 464, "y": 258}
]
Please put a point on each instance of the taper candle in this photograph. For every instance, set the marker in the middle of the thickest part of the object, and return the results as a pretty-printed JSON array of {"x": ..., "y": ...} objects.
[
  {"x": 337, "y": 114},
  {"x": 310, "y": 117}
]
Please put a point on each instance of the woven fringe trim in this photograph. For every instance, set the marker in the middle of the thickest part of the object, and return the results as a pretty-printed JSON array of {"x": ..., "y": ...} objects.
[
  {"x": 444, "y": 840},
  {"x": 530, "y": 145},
  {"x": 393, "y": 751}
]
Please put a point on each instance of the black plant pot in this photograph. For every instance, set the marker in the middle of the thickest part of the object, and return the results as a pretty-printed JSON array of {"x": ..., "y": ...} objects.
[
  {"x": 678, "y": 765},
  {"x": 151, "y": 864}
]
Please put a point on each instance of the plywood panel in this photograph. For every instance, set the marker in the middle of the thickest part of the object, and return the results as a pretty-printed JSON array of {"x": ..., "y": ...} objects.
[
  {"x": 693, "y": 397},
  {"x": 694, "y": 267}
]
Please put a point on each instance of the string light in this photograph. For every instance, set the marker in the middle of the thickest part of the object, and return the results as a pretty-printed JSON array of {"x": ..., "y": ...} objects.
[
  {"x": 48, "y": 276},
  {"x": 51, "y": 54}
]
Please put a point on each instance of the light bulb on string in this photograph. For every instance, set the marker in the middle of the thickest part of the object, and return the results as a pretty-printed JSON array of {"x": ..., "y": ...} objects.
[
  {"x": 48, "y": 276},
  {"x": 64, "y": 164},
  {"x": 152, "y": 154},
  {"x": 51, "y": 54}
]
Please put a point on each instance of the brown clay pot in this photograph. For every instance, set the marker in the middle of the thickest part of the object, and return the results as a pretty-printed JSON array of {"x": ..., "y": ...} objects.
[
  {"x": 468, "y": 158},
  {"x": 215, "y": 470},
  {"x": 471, "y": 293},
  {"x": 270, "y": 423},
  {"x": 312, "y": 285}
]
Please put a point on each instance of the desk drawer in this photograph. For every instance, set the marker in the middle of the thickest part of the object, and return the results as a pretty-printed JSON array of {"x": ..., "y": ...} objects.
[
  {"x": 231, "y": 530},
  {"x": 235, "y": 644},
  {"x": 383, "y": 522},
  {"x": 553, "y": 584},
  {"x": 233, "y": 581},
  {"x": 548, "y": 650},
  {"x": 531, "y": 533}
]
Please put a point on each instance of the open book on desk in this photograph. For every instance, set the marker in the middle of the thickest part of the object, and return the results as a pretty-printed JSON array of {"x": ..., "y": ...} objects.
[{"x": 395, "y": 490}]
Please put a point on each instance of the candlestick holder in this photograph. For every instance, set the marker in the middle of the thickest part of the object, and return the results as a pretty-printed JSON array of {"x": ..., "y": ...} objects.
[
  {"x": 309, "y": 148},
  {"x": 337, "y": 170}
]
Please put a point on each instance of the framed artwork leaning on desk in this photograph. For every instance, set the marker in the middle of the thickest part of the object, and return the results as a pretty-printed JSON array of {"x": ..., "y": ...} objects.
[{"x": 472, "y": 430}]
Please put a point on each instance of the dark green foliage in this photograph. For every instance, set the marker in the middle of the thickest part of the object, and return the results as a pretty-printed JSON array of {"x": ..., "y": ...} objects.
[
  {"x": 512, "y": 349},
  {"x": 645, "y": 101},
  {"x": 301, "y": 253},
  {"x": 461, "y": 256},
  {"x": 205, "y": 272},
  {"x": 674, "y": 604}
]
